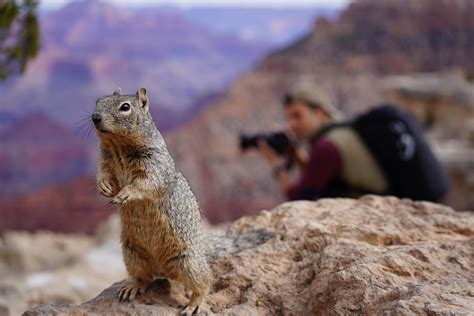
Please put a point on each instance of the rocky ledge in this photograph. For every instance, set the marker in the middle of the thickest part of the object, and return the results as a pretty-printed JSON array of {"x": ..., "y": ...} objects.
[{"x": 369, "y": 256}]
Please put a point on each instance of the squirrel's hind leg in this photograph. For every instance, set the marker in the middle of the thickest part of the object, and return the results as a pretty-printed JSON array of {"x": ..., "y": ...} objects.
[
  {"x": 194, "y": 272},
  {"x": 194, "y": 305}
]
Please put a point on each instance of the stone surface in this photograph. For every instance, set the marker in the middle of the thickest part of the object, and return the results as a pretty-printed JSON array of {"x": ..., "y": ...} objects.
[
  {"x": 44, "y": 267},
  {"x": 369, "y": 256}
]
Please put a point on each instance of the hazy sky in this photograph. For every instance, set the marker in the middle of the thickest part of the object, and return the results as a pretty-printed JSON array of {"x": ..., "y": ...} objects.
[{"x": 50, "y": 4}]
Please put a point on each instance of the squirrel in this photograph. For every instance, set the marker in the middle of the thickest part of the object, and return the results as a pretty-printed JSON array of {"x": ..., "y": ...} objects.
[{"x": 161, "y": 219}]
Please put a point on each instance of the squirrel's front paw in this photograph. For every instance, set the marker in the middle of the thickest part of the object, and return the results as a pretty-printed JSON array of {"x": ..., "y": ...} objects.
[
  {"x": 124, "y": 196},
  {"x": 105, "y": 187}
]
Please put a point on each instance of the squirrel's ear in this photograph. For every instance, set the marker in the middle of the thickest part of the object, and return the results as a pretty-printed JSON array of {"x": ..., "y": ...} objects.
[
  {"x": 141, "y": 94},
  {"x": 118, "y": 91}
]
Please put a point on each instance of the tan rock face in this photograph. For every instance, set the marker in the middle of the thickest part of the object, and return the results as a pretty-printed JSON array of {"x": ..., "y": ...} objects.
[
  {"x": 336, "y": 256},
  {"x": 45, "y": 267}
]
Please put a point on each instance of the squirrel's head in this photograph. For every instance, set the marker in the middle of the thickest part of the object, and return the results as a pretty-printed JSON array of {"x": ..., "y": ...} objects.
[{"x": 121, "y": 115}]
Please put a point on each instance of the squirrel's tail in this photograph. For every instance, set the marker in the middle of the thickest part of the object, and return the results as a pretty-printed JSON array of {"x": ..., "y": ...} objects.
[{"x": 220, "y": 245}]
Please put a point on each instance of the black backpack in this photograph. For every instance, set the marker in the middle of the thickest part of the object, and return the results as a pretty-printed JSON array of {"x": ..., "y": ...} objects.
[{"x": 396, "y": 141}]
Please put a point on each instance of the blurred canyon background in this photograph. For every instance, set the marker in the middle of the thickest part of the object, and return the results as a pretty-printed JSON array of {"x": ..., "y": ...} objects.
[
  {"x": 188, "y": 58},
  {"x": 213, "y": 72}
]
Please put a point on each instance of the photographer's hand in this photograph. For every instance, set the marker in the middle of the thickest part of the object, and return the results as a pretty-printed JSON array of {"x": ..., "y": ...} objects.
[
  {"x": 298, "y": 156},
  {"x": 268, "y": 153},
  {"x": 281, "y": 174}
]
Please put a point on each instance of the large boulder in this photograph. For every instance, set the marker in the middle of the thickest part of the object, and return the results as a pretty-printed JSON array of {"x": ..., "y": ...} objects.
[
  {"x": 336, "y": 256},
  {"x": 45, "y": 267}
]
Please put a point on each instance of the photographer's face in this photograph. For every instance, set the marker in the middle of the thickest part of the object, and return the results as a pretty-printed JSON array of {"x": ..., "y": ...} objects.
[{"x": 304, "y": 120}]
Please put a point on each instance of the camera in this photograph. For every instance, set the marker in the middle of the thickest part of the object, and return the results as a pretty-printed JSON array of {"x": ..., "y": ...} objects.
[{"x": 279, "y": 141}]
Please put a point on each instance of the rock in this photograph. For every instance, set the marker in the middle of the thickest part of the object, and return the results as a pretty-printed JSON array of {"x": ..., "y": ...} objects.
[
  {"x": 369, "y": 256},
  {"x": 24, "y": 252},
  {"x": 45, "y": 267}
]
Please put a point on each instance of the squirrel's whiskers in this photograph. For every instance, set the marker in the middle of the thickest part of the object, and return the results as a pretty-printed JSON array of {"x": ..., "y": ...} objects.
[{"x": 161, "y": 219}]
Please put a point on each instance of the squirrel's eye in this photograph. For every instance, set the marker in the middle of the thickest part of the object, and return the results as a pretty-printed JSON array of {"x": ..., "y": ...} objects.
[{"x": 125, "y": 107}]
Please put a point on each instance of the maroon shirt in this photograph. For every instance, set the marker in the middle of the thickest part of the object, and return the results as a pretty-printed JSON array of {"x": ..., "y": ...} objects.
[{"x": 325, "y": 163}]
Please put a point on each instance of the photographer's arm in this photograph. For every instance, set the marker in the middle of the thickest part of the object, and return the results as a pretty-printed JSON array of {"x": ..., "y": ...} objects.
[{"x": 325, "y": 163}]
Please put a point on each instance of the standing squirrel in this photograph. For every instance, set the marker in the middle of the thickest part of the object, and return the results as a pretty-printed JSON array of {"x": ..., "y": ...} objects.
[{"x": 161, "y": 219}]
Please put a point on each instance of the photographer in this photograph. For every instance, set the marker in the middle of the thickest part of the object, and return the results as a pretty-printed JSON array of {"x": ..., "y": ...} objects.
[{"x": 338, "y": 163}]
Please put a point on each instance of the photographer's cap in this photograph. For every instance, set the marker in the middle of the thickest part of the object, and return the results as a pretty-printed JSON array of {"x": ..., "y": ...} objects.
[{"x": 315, "y": 99}]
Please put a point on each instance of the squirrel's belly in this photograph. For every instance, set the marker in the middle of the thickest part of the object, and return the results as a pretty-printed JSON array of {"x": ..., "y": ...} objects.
[{"x": 147, "y": 228}]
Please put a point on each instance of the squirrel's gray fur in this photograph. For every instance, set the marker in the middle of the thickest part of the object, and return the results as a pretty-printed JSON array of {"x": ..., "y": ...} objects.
[{"x": 161, "y": 218}]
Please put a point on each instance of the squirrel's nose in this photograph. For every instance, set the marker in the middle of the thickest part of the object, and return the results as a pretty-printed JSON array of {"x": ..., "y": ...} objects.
[{"x": 96, "y": 118}]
